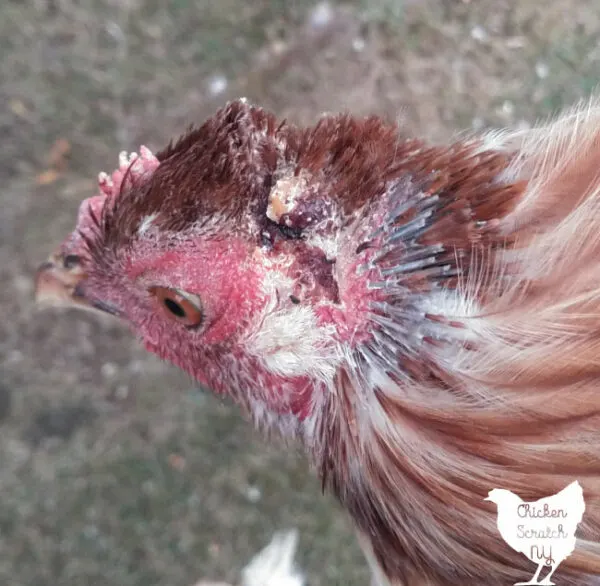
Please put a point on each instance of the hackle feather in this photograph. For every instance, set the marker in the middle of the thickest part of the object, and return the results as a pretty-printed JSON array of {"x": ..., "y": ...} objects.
[{"x": 484, "y": 367}]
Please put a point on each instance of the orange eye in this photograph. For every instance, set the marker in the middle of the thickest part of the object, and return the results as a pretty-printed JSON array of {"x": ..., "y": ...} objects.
[{"x": 185, "y": 308}]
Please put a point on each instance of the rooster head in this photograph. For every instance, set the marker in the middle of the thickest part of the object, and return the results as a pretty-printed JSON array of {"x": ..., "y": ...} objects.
[{"x": 227, "y": 254}]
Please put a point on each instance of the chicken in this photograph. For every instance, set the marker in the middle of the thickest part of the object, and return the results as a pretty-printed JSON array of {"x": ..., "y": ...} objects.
[
  {"x": 273, "y": 566},
  {"x": 422, "y": 318},
  {"x": 543, "y": 530}
]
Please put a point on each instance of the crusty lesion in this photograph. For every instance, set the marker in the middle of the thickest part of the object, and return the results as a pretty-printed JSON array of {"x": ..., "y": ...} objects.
[{"x": 284, "y": 197}]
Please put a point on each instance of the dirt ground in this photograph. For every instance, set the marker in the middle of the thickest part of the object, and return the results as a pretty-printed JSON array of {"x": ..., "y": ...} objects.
[{"x": 114, "y": 468}]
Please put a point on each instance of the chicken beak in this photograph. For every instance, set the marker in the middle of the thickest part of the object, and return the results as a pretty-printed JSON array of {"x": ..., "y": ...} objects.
[{"x": 58, "y": 282}]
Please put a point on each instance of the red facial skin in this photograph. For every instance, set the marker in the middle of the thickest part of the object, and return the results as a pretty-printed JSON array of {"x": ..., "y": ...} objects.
[{"x": 227, "y": 276}]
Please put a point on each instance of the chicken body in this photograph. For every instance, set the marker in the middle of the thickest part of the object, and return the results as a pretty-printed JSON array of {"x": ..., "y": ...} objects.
[{"x": 422, "y": 318}]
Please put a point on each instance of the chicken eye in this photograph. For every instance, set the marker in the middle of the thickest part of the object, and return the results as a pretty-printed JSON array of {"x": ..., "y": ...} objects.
[{"x": 185, "y": 308}]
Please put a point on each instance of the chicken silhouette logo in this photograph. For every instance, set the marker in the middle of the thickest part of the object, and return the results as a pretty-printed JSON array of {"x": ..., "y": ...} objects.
[{"x": 543, "y": 530}]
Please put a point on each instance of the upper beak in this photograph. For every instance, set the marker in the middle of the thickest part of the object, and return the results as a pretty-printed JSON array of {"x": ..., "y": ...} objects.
[{"x": 59, "y": 282}]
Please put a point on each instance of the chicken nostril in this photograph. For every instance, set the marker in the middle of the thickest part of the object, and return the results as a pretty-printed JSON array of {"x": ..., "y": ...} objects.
[{"x": 70, "y": 261}]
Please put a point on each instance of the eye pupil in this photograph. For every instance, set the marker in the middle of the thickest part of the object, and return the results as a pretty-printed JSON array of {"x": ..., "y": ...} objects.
[
  {"x": 174, "y": 308},
  {"x": 180, "y": 306}
]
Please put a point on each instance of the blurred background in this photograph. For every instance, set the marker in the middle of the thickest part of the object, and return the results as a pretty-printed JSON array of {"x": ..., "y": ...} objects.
[{"x": 114, "y": 469}]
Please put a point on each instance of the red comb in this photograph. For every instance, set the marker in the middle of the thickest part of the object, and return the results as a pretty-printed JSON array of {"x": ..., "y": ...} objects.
[{"x": 131, "y": 167}]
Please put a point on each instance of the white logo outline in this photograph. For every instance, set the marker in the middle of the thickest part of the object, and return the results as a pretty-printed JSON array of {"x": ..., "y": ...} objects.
[{"x": 542, "y": 530}]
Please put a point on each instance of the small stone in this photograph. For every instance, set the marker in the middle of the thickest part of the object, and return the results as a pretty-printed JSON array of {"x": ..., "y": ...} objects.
[
  {"x": 358, "y": 45},
  {"x": 542, "y": 70},
  {"x": 217, "y": 85},
  {"x": 136, "y": 366},
  {"x": 508, "y": 108},
  {"x": 477, "y": 123},
  {"x": 14, "y": 357},
  {"x": 149, "y": 487},
  {"x": 177, "y": 462},
  {"x": 18, "y": 450},
  {"x": 253, "y": 494},
  {"x": 479, "y": 33},
  {"x": 91, "y": 532},
  {"x": 109, "y": 370},
  {"x": 321, "y": 15},
  {"x": 121, "y": 392}
]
